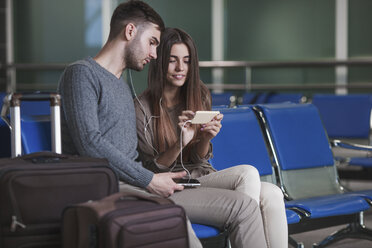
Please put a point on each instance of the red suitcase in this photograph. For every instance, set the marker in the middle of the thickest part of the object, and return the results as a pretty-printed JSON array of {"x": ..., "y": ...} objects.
[{"x": 123, "y": 220}]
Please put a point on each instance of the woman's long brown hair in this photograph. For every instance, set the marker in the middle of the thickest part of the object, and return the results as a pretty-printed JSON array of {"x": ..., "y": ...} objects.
[{"x": 194, "y": 94}]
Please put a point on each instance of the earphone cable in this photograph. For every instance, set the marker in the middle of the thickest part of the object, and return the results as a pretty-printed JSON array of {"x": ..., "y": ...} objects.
[
  {"x": 144, "y": 112},
  {"x": 188, "y": 172}
]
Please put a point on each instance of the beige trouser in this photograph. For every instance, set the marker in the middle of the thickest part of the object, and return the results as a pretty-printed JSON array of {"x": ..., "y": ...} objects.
[
  {"x": 222, "y": 208},
  {"x": 245, "y": 179}
]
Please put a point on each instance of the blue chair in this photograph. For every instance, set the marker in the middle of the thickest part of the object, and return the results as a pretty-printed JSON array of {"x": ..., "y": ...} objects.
[
  {"x": 271, "y": 97},
  {"x": 210, "y": 236},
  {"x": 345, "y": 116},
  {"x": 286, "y": 97},
  {"x": 226, "y": 98},
  {"x": 35, "y": 108},
  {"x": 36, "y": 130},
  {"x": 36, "y": 133},
  {"x": 254, "y": 97},
  {"x": 241, "y": 141},
  {"x": 307, "y": 173},
  {"x": 347, "y": 121}
]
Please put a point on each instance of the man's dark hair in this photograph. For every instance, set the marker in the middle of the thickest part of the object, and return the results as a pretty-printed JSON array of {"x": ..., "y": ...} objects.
[{"x": 134, "y": 11}]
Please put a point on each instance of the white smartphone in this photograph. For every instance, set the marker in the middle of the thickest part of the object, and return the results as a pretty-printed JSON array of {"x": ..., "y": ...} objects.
[{"x": 202, "y": 117}]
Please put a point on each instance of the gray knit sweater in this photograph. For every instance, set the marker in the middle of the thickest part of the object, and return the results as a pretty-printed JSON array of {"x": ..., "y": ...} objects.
[{"x": 98, "y": 119}]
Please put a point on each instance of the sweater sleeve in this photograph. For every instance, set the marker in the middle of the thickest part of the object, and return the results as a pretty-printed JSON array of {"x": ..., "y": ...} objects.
[{"x": 80, "y": 97}]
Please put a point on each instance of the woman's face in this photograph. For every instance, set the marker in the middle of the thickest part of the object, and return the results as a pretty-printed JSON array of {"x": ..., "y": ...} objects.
[{"x": 178, "y": 66}]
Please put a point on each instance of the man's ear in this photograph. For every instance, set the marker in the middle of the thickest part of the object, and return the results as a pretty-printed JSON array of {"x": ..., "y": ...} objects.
[{"x": 130, "y": 31}]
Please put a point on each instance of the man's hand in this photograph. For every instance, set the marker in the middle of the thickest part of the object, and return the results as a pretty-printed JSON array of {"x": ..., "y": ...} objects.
[{"x": 162, "y": 184}]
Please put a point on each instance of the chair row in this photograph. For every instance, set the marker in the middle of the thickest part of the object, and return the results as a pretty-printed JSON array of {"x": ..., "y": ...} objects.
[
  {"x": 229, "y": 99},
  {"x": 347, "y": 119},
  {"x": 36, "y": 137},
  {"x": 288, "y": 142},
  {"x": 242, "y": 141}
]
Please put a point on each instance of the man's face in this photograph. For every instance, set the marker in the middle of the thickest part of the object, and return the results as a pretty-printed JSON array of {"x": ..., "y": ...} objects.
[{"x": 142, "y": 48}]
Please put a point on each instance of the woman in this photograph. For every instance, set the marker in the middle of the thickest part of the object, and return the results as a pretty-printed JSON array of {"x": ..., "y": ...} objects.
[{"x": 173, "y": 95}]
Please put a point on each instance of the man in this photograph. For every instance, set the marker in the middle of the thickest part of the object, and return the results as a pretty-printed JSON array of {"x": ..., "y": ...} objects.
[{"x": 98, "y": 119}]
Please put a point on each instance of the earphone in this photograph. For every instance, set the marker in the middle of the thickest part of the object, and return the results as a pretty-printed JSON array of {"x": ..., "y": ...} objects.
[
  {"x": 144, "y": 111},
  {"x": 146, "y": 124},
  {"x": 188, "y": 172}
]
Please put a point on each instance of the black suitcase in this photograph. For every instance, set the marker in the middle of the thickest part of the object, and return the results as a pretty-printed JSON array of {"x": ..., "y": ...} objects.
[
  {"x": 125, "y": 220},
  {"x": 34, "y": 190}
]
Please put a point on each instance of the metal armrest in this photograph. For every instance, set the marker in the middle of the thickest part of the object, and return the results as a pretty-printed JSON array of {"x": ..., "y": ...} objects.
[
  {"x": 353, "y": 146},
  {"x": 343, "y": 151},
  {"x": 300, "y": 211}
]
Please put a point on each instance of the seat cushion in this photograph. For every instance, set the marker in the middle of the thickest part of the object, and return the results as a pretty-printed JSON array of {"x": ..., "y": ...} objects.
[
  {"x": 292, "y": 216},
  {"x": 365, "y": 162},
  {"x": 204, "y": 231},
  {"x": 330, "y": 205},
  {"x": 367, "y": 194}
]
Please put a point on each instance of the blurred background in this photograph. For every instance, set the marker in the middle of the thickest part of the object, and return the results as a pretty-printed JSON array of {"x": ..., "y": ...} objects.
[{"x": 277, "y": 45}]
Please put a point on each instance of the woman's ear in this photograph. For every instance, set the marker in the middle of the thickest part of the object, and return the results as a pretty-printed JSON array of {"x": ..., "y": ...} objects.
[{"x": 130, "y": 31}]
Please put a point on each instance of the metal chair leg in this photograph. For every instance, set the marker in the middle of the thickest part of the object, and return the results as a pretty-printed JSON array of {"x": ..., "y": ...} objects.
[
  {"x": 352, "y": 231},
  {"x": 294, "y": 243}
]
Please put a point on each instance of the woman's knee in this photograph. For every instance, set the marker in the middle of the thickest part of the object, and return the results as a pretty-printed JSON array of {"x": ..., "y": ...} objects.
[
  {"x": 245, "y": 204},
  {"x": 271, "y": 191},
  {"x": 248, "y": 171}
]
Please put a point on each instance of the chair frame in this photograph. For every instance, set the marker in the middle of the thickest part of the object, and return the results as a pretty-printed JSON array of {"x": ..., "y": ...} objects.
[
  {"x": 349, "y": 144},
  {"x": 247, "y": 112},
  {"x": 355, "y": 226}
]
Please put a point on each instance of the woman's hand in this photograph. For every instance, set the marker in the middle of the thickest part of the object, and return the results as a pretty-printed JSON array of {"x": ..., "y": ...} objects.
[
  {"x": 212, "y": 128},
  {"x": 186, "y": 129}
]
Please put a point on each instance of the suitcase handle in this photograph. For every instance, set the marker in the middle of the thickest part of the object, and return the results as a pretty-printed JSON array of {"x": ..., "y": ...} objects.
[
  {"x": 44, "y": 157},
  {"x": 12, "y": 103},
  {"x": 15, "y": 99},
  {"x": 157, "y": 199}
]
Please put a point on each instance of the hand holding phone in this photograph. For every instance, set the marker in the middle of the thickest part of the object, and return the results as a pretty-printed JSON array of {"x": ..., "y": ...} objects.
[
  {"x": 187, "y": 182},
  {"x": 202, "y": 117}
]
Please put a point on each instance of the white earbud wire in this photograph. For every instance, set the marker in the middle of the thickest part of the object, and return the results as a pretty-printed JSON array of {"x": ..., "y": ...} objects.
[
  {"x": 146, "y": 124},
  {"x": 144, "y": 111}
]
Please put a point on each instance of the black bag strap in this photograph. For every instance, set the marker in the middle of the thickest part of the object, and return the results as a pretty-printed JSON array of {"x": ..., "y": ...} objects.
[
  {"x": 157, "y": 199},
  {"x": 43, "y": 157}
]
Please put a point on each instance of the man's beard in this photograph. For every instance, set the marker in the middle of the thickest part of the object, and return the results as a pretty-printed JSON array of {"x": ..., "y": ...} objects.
[{"x": 132, "y": 54}]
